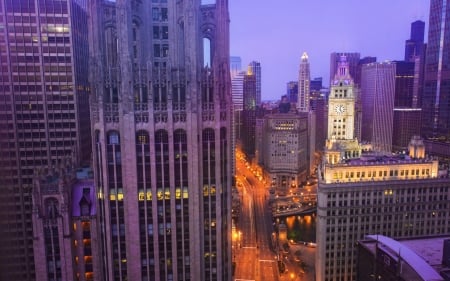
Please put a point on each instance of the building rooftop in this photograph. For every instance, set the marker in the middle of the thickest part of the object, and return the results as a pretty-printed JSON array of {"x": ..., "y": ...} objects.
[{"x": 423, "y": 255}]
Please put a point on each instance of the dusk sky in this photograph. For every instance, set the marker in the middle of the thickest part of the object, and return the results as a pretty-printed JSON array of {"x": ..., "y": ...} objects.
[{"x": 276, "y": 33}]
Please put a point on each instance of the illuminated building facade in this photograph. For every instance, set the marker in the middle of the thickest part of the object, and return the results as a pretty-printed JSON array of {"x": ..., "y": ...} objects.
[
  {"x": 285, "y": 142},
  {"x": 161, "y": 105},
  {"x": 362, "y": 192},
  {"x": 304, "y": 81},
  {"x": 44, "y": 104}
]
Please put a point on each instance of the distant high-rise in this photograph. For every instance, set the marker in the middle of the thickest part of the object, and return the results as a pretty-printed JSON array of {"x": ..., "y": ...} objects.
[
  {"x": 436, "y": 91},
  {"x": 255, "y": 68},
  {"x": 237, "y": 90},
  {"x": 44, "y": 106},
  {"x": 249, "y": 113},
  {"x": 414, "y": 45},
  {"x": 161, "y": 104},
  {"x": 303, "y": 84},
  {"x": 292, "y": 91},
  {"x": 315, "y": 84},
  {"x": 235, "y": 66}
]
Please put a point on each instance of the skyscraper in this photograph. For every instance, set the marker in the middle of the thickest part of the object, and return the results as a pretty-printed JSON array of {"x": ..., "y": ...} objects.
[
  {"x": 161, "y": 105},
  {"x": 255, "y": 68},
  {"x": 292, "y": 91},
  {"x": 414, "y": 45},
  {"x": 377, "y": 100},
  {"x": 436, "y": 91},
  {"x": 303, "y": 84},
  {"x": 235, "y": 66},
  {"x": 249, "y": 113},
  {"x": 44, "y": 104}
]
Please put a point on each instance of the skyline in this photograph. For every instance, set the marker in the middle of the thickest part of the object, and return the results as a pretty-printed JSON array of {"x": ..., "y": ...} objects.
[{"x": 266, "y": 24}]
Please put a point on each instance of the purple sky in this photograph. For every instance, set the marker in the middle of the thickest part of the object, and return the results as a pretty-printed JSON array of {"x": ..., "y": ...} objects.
[{"x": 277, "y": 32}]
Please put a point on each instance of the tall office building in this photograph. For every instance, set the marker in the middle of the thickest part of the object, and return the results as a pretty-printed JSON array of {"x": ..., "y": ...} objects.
[
  {"x": 315, "y": 84},
  {"x": 387, "y": 94},
  {"x": 161, "y": 106},
  {"x": 255, "y": 68},
  {"x": 361, "y": 193},
  {"x": 377, "y": 100},
  {"x": 285, "y": 142},
  {"x": 435, "y": 105},
  {"x": 237, "y": 90},
  {"x": 44, "y": 104},
  {"x": 235, "y": 66},
  {"x": 292, "y": 91},
  {"x": 414, "y": 45},
  {"x": 303, "y": 84},
  {"x": 249, "y": 113}
]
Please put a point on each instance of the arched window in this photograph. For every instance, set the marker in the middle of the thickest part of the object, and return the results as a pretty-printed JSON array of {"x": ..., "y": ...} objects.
[
  {"x": 206, "y": 52},
  {"x": 51, "y": 208}
]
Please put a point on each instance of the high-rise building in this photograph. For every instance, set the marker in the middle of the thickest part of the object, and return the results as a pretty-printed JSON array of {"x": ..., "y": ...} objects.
[
  {"x": 315, "y": 84},
  {"x": 436, "y": 91},
  {"x": 362, "y": 192},
  {"x": 44, "y": 104},
  {"x": 414, "y": 45},
  {"x": 285, "y": 142},
  {"x": 384, "y": 87},
  {"x": 249, "y": 113},
  {"x": 237, "y": 90},
  {"x": 303, "y": 84},
  {"x": 161, "y": 104},
  {"x": 292, "y": 91},
  {"x": 235, "y": 66},
  {"x": 255, "y": 68},
  {"x": 318, "y": 103},
  {"x": 377, "y": 100}
]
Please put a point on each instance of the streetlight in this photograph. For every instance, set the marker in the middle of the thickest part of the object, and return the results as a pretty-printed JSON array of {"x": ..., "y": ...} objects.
[{"x": 292, "y": 276}]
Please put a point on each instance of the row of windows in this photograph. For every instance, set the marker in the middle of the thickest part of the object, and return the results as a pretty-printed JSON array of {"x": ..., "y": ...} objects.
[{"x": 373, "y": 174}]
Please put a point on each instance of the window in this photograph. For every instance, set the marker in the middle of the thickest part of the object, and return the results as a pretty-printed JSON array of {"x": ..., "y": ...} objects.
[{"x": 206, "y": 52}]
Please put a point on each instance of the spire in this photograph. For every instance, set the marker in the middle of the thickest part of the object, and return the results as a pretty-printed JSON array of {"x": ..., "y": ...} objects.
[{"x": 304, "y": 57}]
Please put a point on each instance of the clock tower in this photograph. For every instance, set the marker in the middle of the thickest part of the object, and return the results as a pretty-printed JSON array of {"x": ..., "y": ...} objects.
[{"x": 341, "y": 142}]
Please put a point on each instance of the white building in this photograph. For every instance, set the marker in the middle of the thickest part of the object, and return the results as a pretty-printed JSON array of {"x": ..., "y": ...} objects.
[
  {"x": 303, "y": 84},
  {"x": 399, "y": 196}
]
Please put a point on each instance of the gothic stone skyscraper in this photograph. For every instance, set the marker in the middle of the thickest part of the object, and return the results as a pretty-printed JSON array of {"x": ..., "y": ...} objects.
[
  {"x": 161, "y": 108},
  {"x": 44, "y": 111}
]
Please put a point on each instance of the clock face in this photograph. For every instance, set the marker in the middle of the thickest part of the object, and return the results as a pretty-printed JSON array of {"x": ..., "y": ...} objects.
[{"x": 339, "y": 109}]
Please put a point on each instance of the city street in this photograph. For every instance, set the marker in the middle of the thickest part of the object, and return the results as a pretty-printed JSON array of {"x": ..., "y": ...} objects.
[{"x": 254, "y": 252}]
